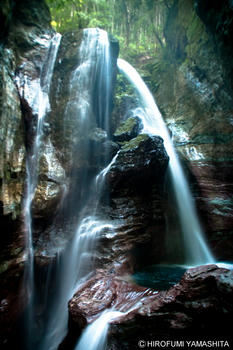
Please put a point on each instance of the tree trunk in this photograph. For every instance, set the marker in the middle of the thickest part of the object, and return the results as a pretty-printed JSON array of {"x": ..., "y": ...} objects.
[{"x": 127, "y": 22}]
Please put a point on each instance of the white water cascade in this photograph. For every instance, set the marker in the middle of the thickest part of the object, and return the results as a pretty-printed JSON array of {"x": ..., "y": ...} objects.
[
  {"x": 100, "y": 178},
  {"x": 33, "y": 158},
  {"x": 75, "y": 263},
  {"x": 196, "y": 250},
  {"x": 41, "y": 106},
  {"x": 94, "y": 336}
]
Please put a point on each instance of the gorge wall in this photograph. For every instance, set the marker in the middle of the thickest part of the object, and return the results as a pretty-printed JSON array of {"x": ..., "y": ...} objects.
[
  {"x": 193, "y": 83},
  {"x": 25, "y": 35}
]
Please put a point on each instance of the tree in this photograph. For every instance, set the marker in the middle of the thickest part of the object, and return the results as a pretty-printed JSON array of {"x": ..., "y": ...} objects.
[{"x": 138, "y": 24}]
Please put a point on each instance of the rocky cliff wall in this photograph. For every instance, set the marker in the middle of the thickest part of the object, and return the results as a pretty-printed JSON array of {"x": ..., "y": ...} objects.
[
  {"x": 26, "y": 26},
  {"x": 25, "y": 35},
  {"x": 193, "y": 83}
]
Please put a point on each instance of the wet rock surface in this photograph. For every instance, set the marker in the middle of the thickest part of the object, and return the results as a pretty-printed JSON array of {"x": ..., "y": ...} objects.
[
  {"x": 137, "y": 233},
  {"x": 24, "y": 36},
  {"x": 141, "y": 161},
  {"x": 21, "y": 58},
  {"x": 189, "y": 308},
  {"x": 133, "y": 202},
  {"x": 12, "y": 154}
]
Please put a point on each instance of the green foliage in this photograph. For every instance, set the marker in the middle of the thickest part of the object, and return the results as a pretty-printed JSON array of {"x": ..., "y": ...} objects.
[
  {"x": 73, "y": 14},
  {"x": 138, "y": 24}
]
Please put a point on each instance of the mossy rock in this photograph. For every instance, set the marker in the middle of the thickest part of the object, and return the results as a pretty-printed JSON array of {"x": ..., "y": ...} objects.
[
  {"x": 128, "y": 130},
  {"x": 134, "y": 143},
  {"x": 4, "y": 267}
]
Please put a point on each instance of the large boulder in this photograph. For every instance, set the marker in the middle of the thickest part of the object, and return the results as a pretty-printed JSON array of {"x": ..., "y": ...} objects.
[
  {"x": 132, "y": 200},
  {"x": 140, "y": 162}
]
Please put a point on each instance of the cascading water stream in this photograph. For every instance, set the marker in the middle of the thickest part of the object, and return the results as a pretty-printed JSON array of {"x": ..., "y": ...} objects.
[
  {"x": 89, "y": 81},
  {"x": 196, "y": 249},
  {"x": 94, "y": 336},
  {"x": 99, "y": 181},
  {"x": 90, "y": 229},
  {"x": 32, "y": 164}
]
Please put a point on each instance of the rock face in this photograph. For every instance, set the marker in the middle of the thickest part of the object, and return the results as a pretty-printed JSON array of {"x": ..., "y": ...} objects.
[
  {"x": 187, "y": 309},
  {"x": 194, "y": 93},
  {"x": 141, "y": 160},
  {"x": 25, "y": 37},
  {"x": 26, "y": 42},
  {"x": 134, "y": 204},
  {"x": 12, "y": 155}
]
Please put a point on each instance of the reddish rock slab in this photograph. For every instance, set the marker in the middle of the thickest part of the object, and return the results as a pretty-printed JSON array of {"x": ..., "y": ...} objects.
[
  {"x": 201, "y": 303},
  {"x": 105, "y": 291}
]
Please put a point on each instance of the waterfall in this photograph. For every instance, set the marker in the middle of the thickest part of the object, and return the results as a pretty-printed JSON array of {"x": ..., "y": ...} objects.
[
  {"x": 32, "y": 164},
  {"x": 89, "y": 101},
  {"x": 33, "y": 157},
  {"x": 90, "y": 82},
  {"x": 196, "y": 249},
  {"x": 94, "y": 336},
  {"x": 99, "y": 181}
]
